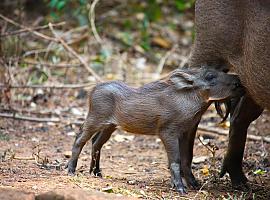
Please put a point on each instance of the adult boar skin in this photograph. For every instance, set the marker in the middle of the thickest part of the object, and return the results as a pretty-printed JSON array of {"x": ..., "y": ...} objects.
[{"x": 235, "y": 35}]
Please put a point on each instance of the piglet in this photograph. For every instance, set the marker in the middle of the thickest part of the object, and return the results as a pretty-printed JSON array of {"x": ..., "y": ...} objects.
[{"x": 170, "y": 108}]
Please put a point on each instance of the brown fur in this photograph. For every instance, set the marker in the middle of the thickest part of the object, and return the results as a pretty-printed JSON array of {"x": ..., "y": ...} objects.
[{"x": 235, "y": 35}]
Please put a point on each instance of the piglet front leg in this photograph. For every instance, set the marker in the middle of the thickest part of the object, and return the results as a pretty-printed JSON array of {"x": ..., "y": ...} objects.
[{"x": 170, "y": 140}]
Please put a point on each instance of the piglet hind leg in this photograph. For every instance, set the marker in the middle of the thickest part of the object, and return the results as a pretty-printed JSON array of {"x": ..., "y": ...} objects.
[
  {"x": 170, "y": 140},
  {"x": 88, "y": 130},
  {"x": 97, "y": 142},
  {"x": 244, "y": 112},
  {"x": 186, "y": 147}
]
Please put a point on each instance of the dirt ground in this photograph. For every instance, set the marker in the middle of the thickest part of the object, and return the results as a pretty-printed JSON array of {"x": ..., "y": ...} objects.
[{"x": 132, "y": 165}]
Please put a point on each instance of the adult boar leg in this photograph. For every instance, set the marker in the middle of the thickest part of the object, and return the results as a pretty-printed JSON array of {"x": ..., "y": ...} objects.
[
  {"x": 97, "y": 142},
  {"x": 186, "y": 158},
  {"x": 243, "y": 113},
  {"x": 171, "y": 143}
]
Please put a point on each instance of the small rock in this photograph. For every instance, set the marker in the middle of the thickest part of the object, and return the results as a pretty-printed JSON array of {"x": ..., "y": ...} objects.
[
  {"x": 33, "y": 105},
  {"x": 131, "y": 182},
  {"x": 199, "y": 159},
  {"x": 76, "y": 111},
  {"x": 71, "y": 133},
  {"x": 34, "y": 139}
]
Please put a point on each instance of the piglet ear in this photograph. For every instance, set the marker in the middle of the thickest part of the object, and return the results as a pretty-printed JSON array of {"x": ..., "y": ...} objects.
[{"x": 182, "y": 80}]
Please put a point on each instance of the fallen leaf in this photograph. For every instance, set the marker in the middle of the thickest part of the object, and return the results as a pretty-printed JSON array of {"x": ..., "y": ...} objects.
[
  {"x": 108, "y": 189},
  {"x": 161, "y": 42},
  {"x": 259, "y": 172},
  {"x": 205, "y": 170}
]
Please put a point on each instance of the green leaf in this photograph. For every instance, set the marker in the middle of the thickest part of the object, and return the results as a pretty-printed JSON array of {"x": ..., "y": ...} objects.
[
  {"x": 153, "y": 10},
  {"x": 180, "y": 5},
  {"x": 259, "y": 172},
  {"x": 53, "y": 3},
  {"x": 60, "y": 5}
]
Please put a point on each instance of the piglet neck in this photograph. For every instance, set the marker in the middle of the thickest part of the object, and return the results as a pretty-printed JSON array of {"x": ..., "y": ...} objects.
[{"x": 203, "y": 101}]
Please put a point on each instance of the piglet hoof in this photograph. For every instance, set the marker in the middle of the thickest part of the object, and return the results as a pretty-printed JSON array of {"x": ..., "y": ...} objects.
[
  {"x": 181, "y": 190},
  {"x": 71, "y": 170},
  {"x": 178, "y": 187}
]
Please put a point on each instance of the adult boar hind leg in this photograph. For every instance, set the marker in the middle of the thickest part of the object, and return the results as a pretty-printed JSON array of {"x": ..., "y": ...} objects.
[
  {"x": 244, "y": 112},
  {"x": 90, "y": 127},
  {"x": 97, "y": 142},
  {"x": 170, "y": 139}
]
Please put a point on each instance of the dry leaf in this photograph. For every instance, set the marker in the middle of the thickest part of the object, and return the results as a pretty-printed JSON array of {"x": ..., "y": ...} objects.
[
  {"x": 205, "y": 170},
  {"x": 161, "y": 42}
]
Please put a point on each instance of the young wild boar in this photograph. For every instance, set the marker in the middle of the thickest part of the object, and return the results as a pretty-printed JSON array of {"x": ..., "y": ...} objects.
[{"x": 170, "y": 108}]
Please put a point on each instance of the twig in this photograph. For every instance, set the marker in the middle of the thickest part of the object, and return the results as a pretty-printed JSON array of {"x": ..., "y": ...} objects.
[
  {"x": 203, "y": 185},
  {"x": 29, "y": 111},
  {"x": 69, "y": 49},
  {"x": 62, "y": 65},
  {"x": 32, "y": 119},
  {"x": 23, "y": 158},
  {"x": 92, "y": 22},
  {"x": 36, "y": 119},
  {"x": 225, "y": 132},
  {"x": 57, "y": 39},
  {"x": 206, "y": 146},
  {"x": 27, "y": 30},
  {"x": 67, "y": 86}
]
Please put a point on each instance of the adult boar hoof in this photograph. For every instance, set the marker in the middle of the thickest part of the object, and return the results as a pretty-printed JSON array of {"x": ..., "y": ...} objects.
[
  {"x": 194, "y": 184},
  {"x": 96, "y": 172},
  {"x": 237, "y": 176},
  {"x": 241, "y": 186}
]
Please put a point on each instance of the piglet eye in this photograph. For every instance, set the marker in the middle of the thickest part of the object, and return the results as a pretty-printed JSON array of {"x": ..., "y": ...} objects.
[{"x": 210, "y": 76}]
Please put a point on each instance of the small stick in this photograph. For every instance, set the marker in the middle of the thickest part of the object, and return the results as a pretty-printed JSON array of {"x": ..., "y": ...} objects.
[
  {"x": 32, "y": 119},
  {"x": 23, "y": 158},
  {"x": 27, "y": 30},
  {"x": 226, "y": 133},
  {"x": 92, "y": 22},
  {"x": 36, "y": 119},
  {"x": 67, "y": 86},
  {"x": 62, "y": 65}
]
